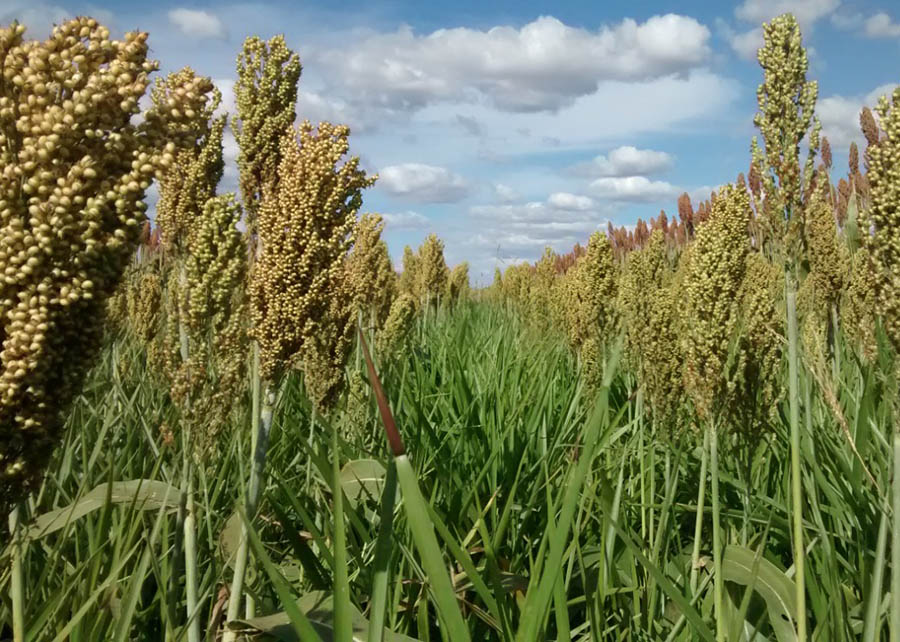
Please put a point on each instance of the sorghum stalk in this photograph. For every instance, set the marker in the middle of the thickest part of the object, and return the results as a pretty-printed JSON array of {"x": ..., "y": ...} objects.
[
  {"x": 796, "y": 482},
  {"x": 16, "y": 589},
  {"x": 698, "y": 523},
  {"x": 895, "y": 545},
  {"x": 719, "y": 583},
  {"x": 243, "y": 551}
]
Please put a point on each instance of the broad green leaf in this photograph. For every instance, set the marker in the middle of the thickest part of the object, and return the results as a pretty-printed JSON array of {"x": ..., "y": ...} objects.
[
  {"x": 319, "y": 609},
  {"x": 362, "y": 479},
  {"x": 742, "y": 566},
  {"x": 230, "y": 538},
  {"x": 143, "y": 493}
]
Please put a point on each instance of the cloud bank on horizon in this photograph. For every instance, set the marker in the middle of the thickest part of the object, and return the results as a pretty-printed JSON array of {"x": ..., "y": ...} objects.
[{"x": 513, "y": 130}]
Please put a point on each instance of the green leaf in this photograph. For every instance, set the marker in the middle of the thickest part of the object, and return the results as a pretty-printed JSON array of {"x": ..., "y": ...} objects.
[
  {"x": 318, "y": 607},
  {"x": 743, "y": 566},
  {"x": 362, "y": 479},
  {"x": 851, "y": 225},
  {"x": 230, "y": 538},
  {"x": 143, "y": 493}
]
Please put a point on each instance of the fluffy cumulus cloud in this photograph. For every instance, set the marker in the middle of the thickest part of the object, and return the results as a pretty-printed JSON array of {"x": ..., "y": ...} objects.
[
  {"x": 567, "y": 201},
  {"x": 755, "y": 12},
  {"x": 806, "y": 11},
  {"x": 523, "y": 230},
  {"x": 878, "y": 25},
  {"x": 423, "y": 183},
  {"x": 633, "y": 188},
  {"x": 505, "y": 193},
  {"x": 197, "y": 24},
  {"x": 625, "y": 161},
  {"x": 881, "y": 25},
  {"x": 404, "y": 220},
  {"x": 542, "y": 66},
  {"x": 839, "y": 115}
]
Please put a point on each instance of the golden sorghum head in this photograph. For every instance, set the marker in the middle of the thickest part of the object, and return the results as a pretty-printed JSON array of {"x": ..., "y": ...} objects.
[
  {"x": 786, "y": 116},
  {"x": 458, "y": 283},
  {"x": 144, "y": 298},
  {"x": 265, "y": 94},
  {"x": 711, "y": 292},
  {"x": 540, "y": 292},
  {"x": 370, "y": 270},
  {"x": 215, "y": 264},
  {"x": 389, "y": 338},
  {"x": 408, "y": 281},
  {"x": 190, "y": 180},
  {"x": 884, "y": 244},
  {"x": 301, "y": 303},
  {"x": 758, "y": 382},
  {"x": 589, "y": 305},
  {"x": 433, "y": 272},
  {"x": 826, "y": 253},
  {"x": 648, "y": 300},
  {"x": 858, "y": 306},
  {"x": 73, "y": 172}
]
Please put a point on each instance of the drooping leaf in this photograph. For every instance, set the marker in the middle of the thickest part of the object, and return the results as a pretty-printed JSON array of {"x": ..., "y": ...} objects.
[
  {"x": 144, "y": 494},
  {"x": 319, "y": 609},
  {"x": 742, "y": 566}
]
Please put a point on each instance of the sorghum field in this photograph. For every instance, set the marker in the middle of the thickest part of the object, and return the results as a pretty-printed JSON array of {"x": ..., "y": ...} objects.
[{"x": 239, "y": 423}]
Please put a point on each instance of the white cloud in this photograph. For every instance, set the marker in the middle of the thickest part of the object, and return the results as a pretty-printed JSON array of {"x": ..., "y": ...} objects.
[
  {"x": 543, "y": 66},
  {"x": 881, "y": 26},
  {"x": 625, "y": 161},
  {"x": 197, "y": 24},
  {"x": 316, "y": 107},
  {"x": 633, "y": 188},
  {"x": 567, "y": 201},
  {"x": 839, "y": 115},
  {"x": 423, "y": 183},
  {"x": 806, "y": 11},
  {"x": 505, "y": 193},
  {"x": 847, "y": 20},
  {"x": 226, "y": 87},
  {"x": 405, "y": 220},
  {"x": 616, "y": 111},
  {"x": 526, "y": 228},
  {"x": 747, "y": 44}
]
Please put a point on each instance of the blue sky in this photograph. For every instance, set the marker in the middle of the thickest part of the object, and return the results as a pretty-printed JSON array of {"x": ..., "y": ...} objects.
[{"x": 508, "y": 126}]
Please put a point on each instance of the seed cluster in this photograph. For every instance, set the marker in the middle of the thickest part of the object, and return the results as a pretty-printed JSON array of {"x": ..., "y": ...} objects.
[
  {"x": 432, "y": 268},
  {"x": 786, "y": 116},
  {"x": 648, "y": 302},
  {"x": 398, "y": 325},
  {"x": 301, "y": 299},
  {"x": 458, "y": 282},
  {"x": 190, "y": 181},
  {"x": 265, "y": 96},
  {"x": 369, "y": 270},
  {"x": 883, "y": 159},
  {"x": 712, "y": 296},
  {"x": 408, "y": 282},
  {"x": 73, "y": 170}
]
